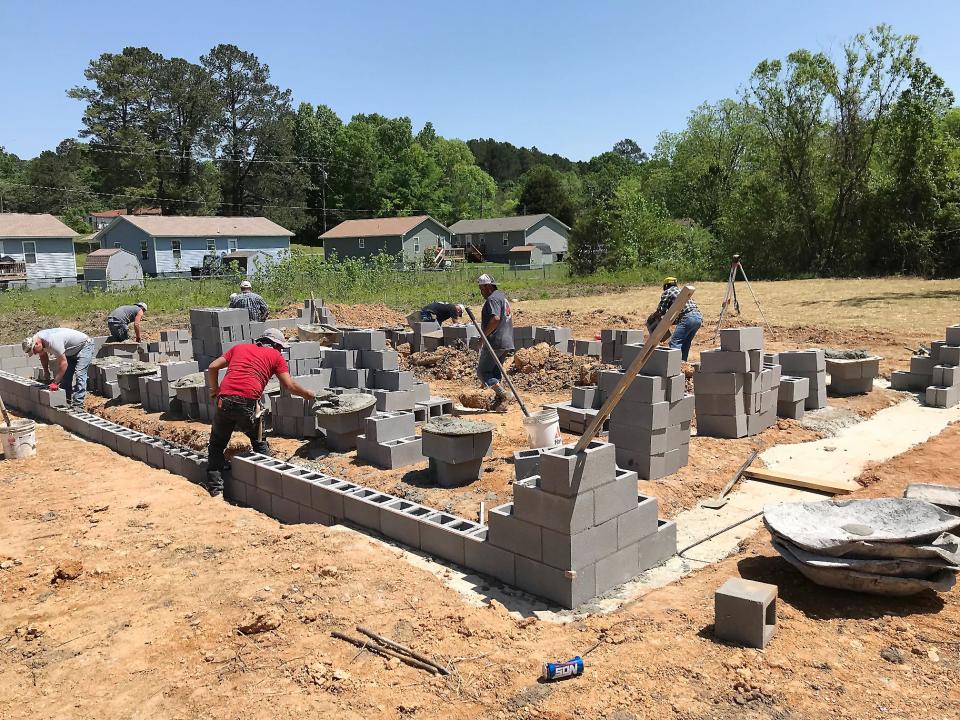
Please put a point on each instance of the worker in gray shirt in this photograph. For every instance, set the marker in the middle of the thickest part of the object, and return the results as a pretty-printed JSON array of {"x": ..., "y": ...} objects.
[
  {"x": 73, "y": 352},
  {"x": 118, "y": 322},
  {"x": 496, "y": 322}
]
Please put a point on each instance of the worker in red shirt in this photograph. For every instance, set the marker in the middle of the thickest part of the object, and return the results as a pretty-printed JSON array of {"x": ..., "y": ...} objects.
[{"x": 249, "y": 369}]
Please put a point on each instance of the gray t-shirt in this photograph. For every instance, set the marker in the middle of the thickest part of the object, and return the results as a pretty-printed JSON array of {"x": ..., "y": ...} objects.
[
  {"x": 62, "y": 341},
  {"x": 498, "y": 305},
  {"x": 126, "y": 313}
]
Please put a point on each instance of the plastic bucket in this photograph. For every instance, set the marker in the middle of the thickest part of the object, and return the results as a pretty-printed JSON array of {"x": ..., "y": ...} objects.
[
  {"x": 543, "y": 429},
  {"x": 19, "y": 440}
]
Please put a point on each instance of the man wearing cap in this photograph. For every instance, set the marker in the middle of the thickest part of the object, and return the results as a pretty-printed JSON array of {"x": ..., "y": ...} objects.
[
  {"x": 249, "y": 369},
  {"x": 255, "y": 305},
  {"x": 688, "y": 321},
  {"x": 73, "y": 352},
  {"x": 440, "y": 312},
  {"x": 496, "y": 322},
  {"x": 118, "y": 322}
]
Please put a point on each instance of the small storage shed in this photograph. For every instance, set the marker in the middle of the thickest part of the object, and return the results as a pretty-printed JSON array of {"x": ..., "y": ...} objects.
[
  {"x": 112, "y": 269},
  {"x": 526, "y": 256}
]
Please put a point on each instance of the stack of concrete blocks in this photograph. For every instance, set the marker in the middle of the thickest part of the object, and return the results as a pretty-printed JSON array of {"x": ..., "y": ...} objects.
[
  {"x": 555, "y": 337},
  {"x": 156, "y": 392},
  {"x": 792, "y": 397},
  {"x": 812, "y": 365},
  {"x": 576, "y": 414},
  {"x": 464, "y": 334},
  {"x": 315, "y": 312},
  {"x": 390, "y": 441},
  {"x": 737, "y": 387},
  {"x": 944, "y": 388},
  {"x": 341, "y": 431},
  {"x": 579, "y": 528},
  {"x": 291, "y": 415},
  {"x": 25, "y": 394},
  {"x": 650, "y": 426},
  {"x": 584, "y": 348},
  {"x": 13, "y": 360},
  {"x": 127, "y": 349},
  {"x": 102, "y": 379},
  {"x": 194, "y": 401},
  {"x": 278, "y": 324},
  {"x": 130, "y": 383},
  {"x": 613, "y": 341},
  {"x": 398, "y": 336},
  {"x": 422, "y": 331},
  {"x": 852, "y": 376},
  {"x": 173, "y": 345},
  {"x": 455, "y": 459},
  {"x": 524, "y": 336},
  {"x": 304, "y": 357},
  {"x": 213, "y": 331}
]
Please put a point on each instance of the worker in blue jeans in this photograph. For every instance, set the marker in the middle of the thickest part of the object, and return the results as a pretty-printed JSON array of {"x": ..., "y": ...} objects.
[{"x": 688, "y": 321}]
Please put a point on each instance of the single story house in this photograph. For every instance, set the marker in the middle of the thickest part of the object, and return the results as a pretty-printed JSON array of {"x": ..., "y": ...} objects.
[
  {"x": 412, "y": 236},
  {"x": 494, "y": 237},
  {"x": 38, "y": 249},
  {"x": 531, "y": 256},
  {"x": 100, "y": 219},
  {"x": 170, "y": 245}
]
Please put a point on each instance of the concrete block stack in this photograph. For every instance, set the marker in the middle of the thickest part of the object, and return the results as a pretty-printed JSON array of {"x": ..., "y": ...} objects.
[
  {"x": 852, "y": 376},
  {"x": 792, "y": 397},
  {"x": 314, "y": 312},
  {"x": 456, "y": 449},
  {"x": 584, "y": 348},
  {"x": 556, "y": 337},
  {"x": 304, "y": 356},
  {"x": 104, "y": 373},
  {"x": 463, "y": 333},
  {"x": 736, "y": 387},
  {"x": 421, "y": 330},
  {"x": 944, "y": 388},
  {"x": 13, "y": 360},
  {"x": 193, "y": 397},
  {"x": 157, "y": 392},
  {"x": 613, "y": 341},
  {"x": 524, "y": 336},
  {"x": 129, "y": 380},
  {"x": 578, "y": 528},
  {"x": 213, "y": 331},
  {"x": 650, "y": 426},
  {"x": 173, "y": 345},
  {"x": 576, "y": 414},
  {"x": 291, "y": 415},
  {"x": 390, "y": 441},
  {"x": 812, "y": 365}
]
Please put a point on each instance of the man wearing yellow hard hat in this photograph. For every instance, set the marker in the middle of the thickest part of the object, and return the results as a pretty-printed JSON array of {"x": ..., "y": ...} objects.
[{"x": 688, "y": 321}]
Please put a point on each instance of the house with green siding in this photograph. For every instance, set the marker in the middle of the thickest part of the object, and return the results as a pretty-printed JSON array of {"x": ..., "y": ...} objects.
[{"x": 410, "y": 236}]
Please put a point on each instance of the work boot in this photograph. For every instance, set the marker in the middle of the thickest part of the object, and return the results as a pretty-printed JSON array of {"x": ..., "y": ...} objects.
[
  {"x": 262, "y": 447},
  {"x": 500, "y": 399},
  {"x": 214, "y": 483}
]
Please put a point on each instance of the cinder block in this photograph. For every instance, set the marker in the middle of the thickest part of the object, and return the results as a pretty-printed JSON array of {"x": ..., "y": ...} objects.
[
  {"x": 295, "y": 484},
  {"x": 351, "y": 377},
  {"x": 379, "y": 359},
  {"x": 284, "y": 510},
  {"x": 567, "y": 588},
  {"x": 388, "y": 426},
  {"x": 659, "y": 547},
  {"x": 722, "y": 426},
  {"x": 759, "y": 422},
  {"x": 793, "y": 388},
  {"x": 572, "y": 551},
  {"x": 363, "y": 505},
  {"x": 855, "y": 386},
  {"x": 949, "y": 355},
  {"x": 653, "y": 416},
  {"x": 174, "y": 371},
  {"x": 309, "y": 515},
  {"x": 615, "y": 498},
  {"x": 562, "y": 514},
  {"x": 363, "y": 340},
  {"x": 953, "y": 335},
  {"x": 482, "y": 556},
  {"x": 640, "y": 522},
  {"x": 745, "y": 612},
  {"x": 722, "y": 404},
  {"x": 663, "y": 362},
  {"x": 526, "y": 463},
  {"x": 942, "y": 397},
  {"x": 401, "y": 520},
  {"x": 564, "y": 473},
  {"x": 638, "y": 440},
  {"x": 678, "y": 435},
  {"x": 724, "y": 361},
  {"x": 746, "y": 338},
  {"x": 681, "y": 411},
  {"x": 511, "y": 533},
  {"x": 337, "y": 358},
  {"x": 945, "y": 376},
  {"x": 585, "y": 396},
  {"x": 268, "y": 475},
  {"x": 394, "y": 380},
  {"x": 675, "y": 388},
  {"x": 327, "y": 493},
  {"x": 618, "y": 567},
  {"x": 792, "y": 409},
  {"x": 443, "y": 535},
  {"x": 259, "y": 500}
]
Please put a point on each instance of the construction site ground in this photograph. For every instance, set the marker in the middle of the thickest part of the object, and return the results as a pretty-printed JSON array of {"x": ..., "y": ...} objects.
[{"x": 122, "y": 588}]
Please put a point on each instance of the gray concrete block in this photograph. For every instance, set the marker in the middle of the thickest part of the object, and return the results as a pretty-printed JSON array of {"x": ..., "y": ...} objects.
[
  {"x": 351, "y": 377},
  {"x": 447, "y": 474},
  {"x": 572, "y": 551},
  {"x": 391, "y": 454},
  {"x": 802, "y": 362},
  {"x": 617, "y": 568},
  {"x": 563, "y": 473},
  {"x": 526, "y": 463},
  {"x": 483, "y": 557},
  {"x": 949, "y": 355},
  {"x": 745, "y": 338},
  {"x": 616, "y": 497},
  {"x": 259, "y": 500},
  {"x": 364, "y": 340},
  {"x": 562, "y": 514},
  {"x": 363, "y": 505},
  {"x": 338, "y": 358},
  {"x": 675, "y": 388},
  {"x": 718, "y": 383},
  {"x": 767, "y": 401},
  {"x": 400, "y": 520},
  {"x": 567, "y": 588},
  {"x": 393, "y": 379},
  {"x": 945, "y": 376},
  {"x": 295, "y": 484},
  {"x": 792, "y": 389},
  {"x": 309, "y": 515},
  {"x": 759, "y": 422},
  {"x": 792, "y": 409},
  {"x": 659, "y": 547},
  {"x": 663, "y": 362},
  {"x": 379, "y": 359},
  {"x": 638, "y": 440},
  {"x": 443, "y": 535},
  {"x": 585, "y": 396},
  {"x": 341, "y": 442},
  {"x": 953, "y": 335},
  {"x": 654, "y": 416},
  {"x": 681, "y": 411},
  {"x": 722, "y": 404},
  {"x": 724, "y": 361},
  {"x": 327, "y": 493},
  {"x": 745, "y": 612},
  {"x": 234, "y": 490},
  {"x": 722, "y": 426},
  {"x": 856, "y": 386},
  {"x": 678, "y": 435},
  {"x": 268, "y": 474},
  {"x": 286, "y": 511},
  {"x": 511, "y": 533},
  {"x": 640, "y": 522},
  {"x": 942, "y": 397}
]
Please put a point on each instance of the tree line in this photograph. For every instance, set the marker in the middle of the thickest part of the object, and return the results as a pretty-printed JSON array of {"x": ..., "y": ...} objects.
[{"x": 819, "y": 166}]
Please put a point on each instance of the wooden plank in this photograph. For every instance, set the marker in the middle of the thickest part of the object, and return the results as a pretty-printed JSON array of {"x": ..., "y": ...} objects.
[{"x": 779, "y": 477}]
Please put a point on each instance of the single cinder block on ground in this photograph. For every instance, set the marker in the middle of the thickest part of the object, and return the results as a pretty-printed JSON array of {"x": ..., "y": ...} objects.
[
  {"x": 747, "y": 338},
  {"x": 745, "y": 612},
  {"x": 942, "y": 397}
]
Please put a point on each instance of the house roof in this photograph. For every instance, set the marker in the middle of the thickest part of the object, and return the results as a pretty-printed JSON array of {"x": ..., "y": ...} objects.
[
  {"x": 376, "y": 227},
  {"x": 503, "y": 224},
  {"x": 123, "y": 211},
  {"x": 29, "y": 225},
  {"x": 100, "y": 258},
  {"x": 524, "y": 248},
  {"x": 201, "y": 226}
]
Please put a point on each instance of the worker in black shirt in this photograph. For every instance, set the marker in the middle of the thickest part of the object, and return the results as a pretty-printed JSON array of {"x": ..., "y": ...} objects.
[{"x": 439, "y": 312}]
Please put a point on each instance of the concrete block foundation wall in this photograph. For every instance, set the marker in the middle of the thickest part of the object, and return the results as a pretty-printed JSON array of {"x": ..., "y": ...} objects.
[{"x": 936, "y": 376}]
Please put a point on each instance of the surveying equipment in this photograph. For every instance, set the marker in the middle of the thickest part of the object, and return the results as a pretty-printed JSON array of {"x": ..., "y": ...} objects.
[{"x": 731, "y": 294}]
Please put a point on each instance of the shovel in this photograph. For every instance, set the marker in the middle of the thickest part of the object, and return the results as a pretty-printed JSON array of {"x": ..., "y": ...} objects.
[
  {"x": 486, "y": 342},
  {"x": 3, "y": 409},
  {"x": 720, "y": 500}
]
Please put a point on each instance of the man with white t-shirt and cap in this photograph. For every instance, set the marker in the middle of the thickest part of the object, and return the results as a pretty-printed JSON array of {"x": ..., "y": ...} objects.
[
  {"x": 73, "y": 352},
  {"x": 496, "y": 322}
]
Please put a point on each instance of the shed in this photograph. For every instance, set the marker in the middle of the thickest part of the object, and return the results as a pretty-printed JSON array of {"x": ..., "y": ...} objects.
[
  {"x": 113, "y": 269},
  {"x": 41, "y": 250},
  {"x": 526, "y": 256}
]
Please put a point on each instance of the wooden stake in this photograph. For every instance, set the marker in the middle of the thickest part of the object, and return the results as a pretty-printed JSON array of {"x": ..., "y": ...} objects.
[
  {"x": 402, "y": 648},
  {"x": 386, "y": 652}
]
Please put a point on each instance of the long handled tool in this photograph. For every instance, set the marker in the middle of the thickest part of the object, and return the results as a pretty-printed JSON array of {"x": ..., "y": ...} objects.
[
  {"x": 486, "y": 343},
  {"x": 3, "y": 409},
  {"x": 659, "y": 334},
  {"x": 720, "y": 500}
]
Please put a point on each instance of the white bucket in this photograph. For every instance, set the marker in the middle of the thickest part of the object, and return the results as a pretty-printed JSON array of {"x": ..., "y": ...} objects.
[
  {"x": 543, "y": 429},
  {"x": 19, "y": 440}
]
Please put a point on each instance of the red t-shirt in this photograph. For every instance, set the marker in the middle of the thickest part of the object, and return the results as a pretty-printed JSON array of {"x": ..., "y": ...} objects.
[{"x": 249, "y": 369}]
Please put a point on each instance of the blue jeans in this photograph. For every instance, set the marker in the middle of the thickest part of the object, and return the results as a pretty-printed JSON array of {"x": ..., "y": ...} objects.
[
  {"x": 683, "y": 335},
  {"x": 74, "y": 380},
  {"x": 487, "y": 369},
  {"x": 118, "y": 330}
]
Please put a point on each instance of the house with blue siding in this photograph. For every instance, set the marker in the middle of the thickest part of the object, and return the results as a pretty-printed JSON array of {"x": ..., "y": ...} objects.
[
  {"x": 413, "y": 237},
  {"x": 496, "y": 237},
  {"x": 171, "y": 245},
  {"x": 36, "y": 251}
]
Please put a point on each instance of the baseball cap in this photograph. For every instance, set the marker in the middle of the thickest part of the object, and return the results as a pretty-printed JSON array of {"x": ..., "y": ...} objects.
[
  {"x": 27, "y": 344},
  {"x": 274, "y": 336},
  {"x": 460, "y": 309},
  {"x": 143, "y": 305},
  {"x": 246, "y": 284},
  {"x": 486, "y": 280}
]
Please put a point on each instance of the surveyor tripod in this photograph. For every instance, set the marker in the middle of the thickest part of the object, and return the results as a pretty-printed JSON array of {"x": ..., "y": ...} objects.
[{"x": 736, "y": 265}]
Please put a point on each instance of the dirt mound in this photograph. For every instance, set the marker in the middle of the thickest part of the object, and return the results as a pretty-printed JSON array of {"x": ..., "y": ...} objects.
[
  {"x": 544, "y": 369},
  {"x": 366, "y": 315},
  {"x": 477, "y": 399},
  {"x": 445, "y": 363}
]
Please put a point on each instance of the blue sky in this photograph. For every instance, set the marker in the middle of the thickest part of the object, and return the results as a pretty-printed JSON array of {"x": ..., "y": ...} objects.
[{"x": 568, "y": 77}]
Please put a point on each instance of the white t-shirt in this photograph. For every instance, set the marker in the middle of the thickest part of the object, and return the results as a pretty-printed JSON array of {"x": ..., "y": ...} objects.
[{"x": 62, "y": 341}]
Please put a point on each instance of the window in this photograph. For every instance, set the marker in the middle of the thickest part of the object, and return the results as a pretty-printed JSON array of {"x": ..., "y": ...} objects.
[
  {"x": 175, "y": 246},
  {"x": 361, "y": 244},
  {"x": 144, "y": 252},
  {"x": 469, "y": 238},
  {"x": 416, "y": 244},
  {"x": 506, "y": 239},
  {"x": 232, "y": 245},
  {"x": 116, "y": 244},
  {"x": 30, "y": 252},
  {"x": 1, "y": 247},
  {"x": 211, "y": 245}
]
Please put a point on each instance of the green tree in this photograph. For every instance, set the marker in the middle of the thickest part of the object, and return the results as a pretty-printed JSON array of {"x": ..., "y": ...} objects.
[{"x": 549, "y": 191}]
